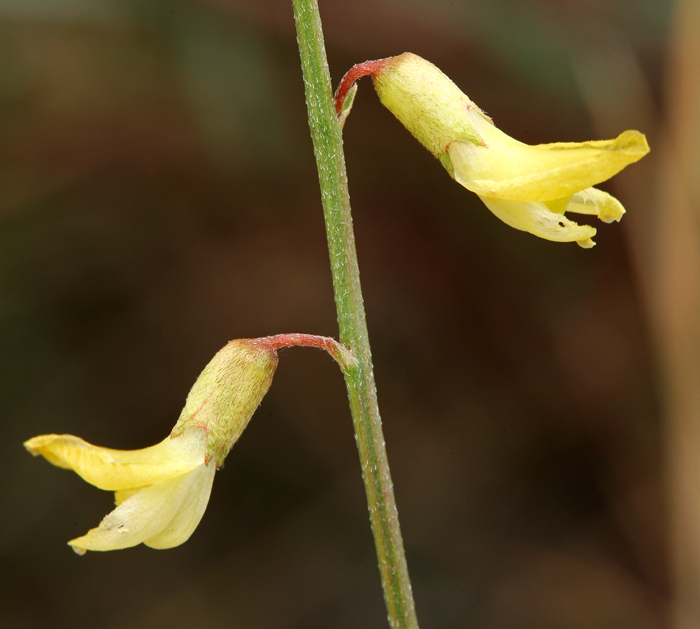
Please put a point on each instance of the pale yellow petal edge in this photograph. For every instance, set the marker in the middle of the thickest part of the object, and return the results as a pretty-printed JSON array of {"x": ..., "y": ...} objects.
[
  {"x": 122, "y": 469},
  {"x": 544, "y": 172},
  {"x": 162, "y": 515}
]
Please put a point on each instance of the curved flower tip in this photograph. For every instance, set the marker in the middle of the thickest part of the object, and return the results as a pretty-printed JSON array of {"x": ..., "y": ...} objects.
[
  {"x": 115, "y": 470},
  {"x": 162, "y": 515},
  {"x": 534, "y": 217},
  {"x": 528, "y": 187},
  {"x": 161, "y": 495},
  {"x": 508, "y": 169},
  {"x": 547, "y": 220}
]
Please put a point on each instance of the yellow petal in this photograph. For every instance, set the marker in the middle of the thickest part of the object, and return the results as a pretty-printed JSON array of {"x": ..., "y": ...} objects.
[
  {"x": 149, "y": 511},
  {"x": 598, "y": 203},
  {"x": 536, "y": 218},
  {"x": 186, "y": 520},
  {"x": 508, "y": 169},
  {"x": 191, "y": 510},
  {"x": 121, "y": 495},
  {"x": 123, "y": 469}
]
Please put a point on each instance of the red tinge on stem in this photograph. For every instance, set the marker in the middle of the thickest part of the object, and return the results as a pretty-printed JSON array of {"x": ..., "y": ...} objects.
[
  {"x": 368, "y": 68},
  {"x": 341, "y": 354}
]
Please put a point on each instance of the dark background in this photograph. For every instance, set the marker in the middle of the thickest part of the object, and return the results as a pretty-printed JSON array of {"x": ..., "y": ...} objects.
[{"x": 158, "y": 197}]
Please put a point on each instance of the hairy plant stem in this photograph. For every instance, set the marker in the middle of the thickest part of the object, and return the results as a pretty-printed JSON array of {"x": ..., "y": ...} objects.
[
  {"x": 341, "y": 354},
  {"x": 359, "y": 378}
]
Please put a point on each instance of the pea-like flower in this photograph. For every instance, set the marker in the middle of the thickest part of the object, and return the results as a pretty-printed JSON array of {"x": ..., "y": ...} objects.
[
  {"x": 162, "y": 492},
  {"x": 528, "y": 187}
]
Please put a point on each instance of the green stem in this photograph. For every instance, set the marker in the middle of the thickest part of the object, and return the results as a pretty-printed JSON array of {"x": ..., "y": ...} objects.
[{"x": 359, "y": 378}]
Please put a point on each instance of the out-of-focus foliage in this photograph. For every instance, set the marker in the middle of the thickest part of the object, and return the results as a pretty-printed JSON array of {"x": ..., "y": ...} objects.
[{"x": 158, "y": 197}]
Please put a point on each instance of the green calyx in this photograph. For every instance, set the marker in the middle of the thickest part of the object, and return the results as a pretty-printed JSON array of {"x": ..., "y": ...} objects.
[
  {"x": 427, "y": 103},
  {"x": 226, "y": 394}
]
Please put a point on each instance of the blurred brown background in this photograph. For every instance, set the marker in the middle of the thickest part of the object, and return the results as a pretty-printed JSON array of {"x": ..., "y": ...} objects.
[{"x": 158, "y": 197}]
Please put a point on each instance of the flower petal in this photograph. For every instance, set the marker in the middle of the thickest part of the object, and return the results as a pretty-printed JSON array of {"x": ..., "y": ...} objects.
[
  {"x": 536, "y": 218},
  {"x": 123, "y": 469},
  {"x": 598, "y": 203},
  {"x": 149, "y": 511},
  {"x": 191, "y": 510},
  {"x": 508, "y": 169}
]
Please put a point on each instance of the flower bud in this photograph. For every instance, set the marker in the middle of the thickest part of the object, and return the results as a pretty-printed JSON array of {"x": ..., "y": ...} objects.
[{"x": 226, "y": 394}]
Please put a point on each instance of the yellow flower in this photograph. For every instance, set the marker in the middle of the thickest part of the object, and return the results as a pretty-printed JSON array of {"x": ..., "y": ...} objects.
[
  {"x": 528, "y": 187},
  {"x": 161, "y": 492}
]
